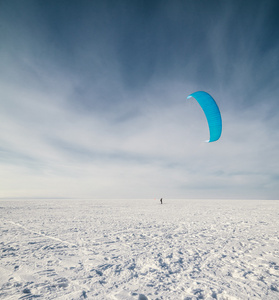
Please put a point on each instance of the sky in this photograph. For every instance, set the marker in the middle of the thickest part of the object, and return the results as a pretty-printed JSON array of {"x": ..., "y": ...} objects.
[{"x": 93, "y": 99}]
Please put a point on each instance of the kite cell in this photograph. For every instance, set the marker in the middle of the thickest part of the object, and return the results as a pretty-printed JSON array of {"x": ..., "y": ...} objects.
[{"x": 211, "y": 112}]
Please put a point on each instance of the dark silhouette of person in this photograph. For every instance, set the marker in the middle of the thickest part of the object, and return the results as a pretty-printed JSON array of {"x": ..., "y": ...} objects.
[{"x": 161, "y": 200}]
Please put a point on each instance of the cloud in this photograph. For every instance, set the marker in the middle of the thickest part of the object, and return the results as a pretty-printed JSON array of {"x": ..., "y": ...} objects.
[{"x": 93, "y": 101}]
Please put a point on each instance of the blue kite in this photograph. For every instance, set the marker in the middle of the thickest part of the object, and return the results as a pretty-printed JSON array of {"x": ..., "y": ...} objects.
[{"x": 212, "y": 113}]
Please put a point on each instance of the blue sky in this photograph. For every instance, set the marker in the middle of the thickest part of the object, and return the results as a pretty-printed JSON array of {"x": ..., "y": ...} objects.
[{"x": 93, "y": 99}]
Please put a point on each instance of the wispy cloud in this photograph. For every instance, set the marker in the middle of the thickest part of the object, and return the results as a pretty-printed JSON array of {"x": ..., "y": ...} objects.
[{"x": 93, "y": 100}]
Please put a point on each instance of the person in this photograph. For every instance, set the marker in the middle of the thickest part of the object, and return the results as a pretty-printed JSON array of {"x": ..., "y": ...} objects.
[{"x": 161, "y": 200}]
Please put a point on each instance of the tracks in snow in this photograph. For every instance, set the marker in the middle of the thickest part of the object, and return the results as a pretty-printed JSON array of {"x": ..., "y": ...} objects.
[{"x": 186, "y": 250}]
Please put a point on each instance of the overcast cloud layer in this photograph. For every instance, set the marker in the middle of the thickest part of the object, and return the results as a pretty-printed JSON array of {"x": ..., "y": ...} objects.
[{"x": 93, "y": 99}]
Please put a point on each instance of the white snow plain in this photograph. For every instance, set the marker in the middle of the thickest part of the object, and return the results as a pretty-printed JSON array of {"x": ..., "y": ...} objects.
[{"x": 139, "y": 249}]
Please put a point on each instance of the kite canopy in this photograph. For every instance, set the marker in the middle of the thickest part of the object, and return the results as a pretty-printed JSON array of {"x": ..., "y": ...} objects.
[{"x": 211, "y": 112}]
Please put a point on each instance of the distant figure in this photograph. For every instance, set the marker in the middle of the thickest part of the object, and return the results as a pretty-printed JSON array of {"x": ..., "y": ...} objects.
[{"x": 161, "y": 200}]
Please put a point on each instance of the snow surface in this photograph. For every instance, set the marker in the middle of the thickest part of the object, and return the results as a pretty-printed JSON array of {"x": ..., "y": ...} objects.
[{"x": 139, "y": 249}]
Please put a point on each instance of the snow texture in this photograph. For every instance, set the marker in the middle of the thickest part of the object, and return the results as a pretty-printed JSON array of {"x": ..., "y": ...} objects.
[{"x": 139, "y": 249}]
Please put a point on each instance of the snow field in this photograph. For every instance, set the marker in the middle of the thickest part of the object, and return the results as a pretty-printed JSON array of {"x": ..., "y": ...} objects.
[{"x": 139, "y": 249}]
